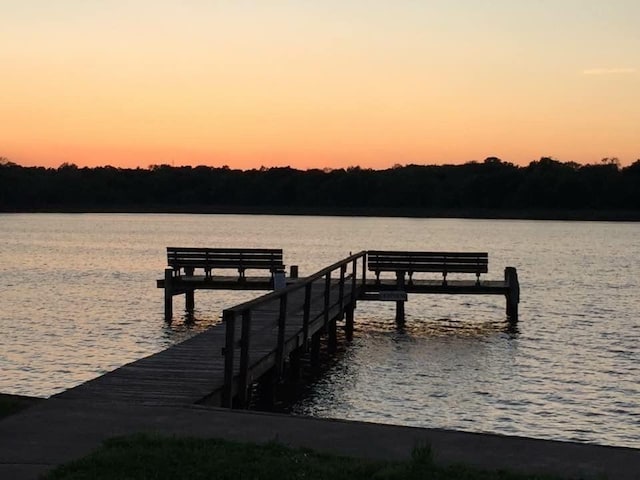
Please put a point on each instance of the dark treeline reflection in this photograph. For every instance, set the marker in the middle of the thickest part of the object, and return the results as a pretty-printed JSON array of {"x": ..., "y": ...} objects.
[{"x": 489, "y": 186}]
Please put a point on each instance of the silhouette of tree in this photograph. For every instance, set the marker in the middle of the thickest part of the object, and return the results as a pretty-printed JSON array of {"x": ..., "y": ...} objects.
[{"x": 490, "y": 187}]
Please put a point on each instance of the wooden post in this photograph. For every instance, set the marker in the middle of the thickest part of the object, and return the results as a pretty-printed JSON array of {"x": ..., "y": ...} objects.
[
  {"x": 228, "y": 317},
  {"x": 245, "y": 342},
  {"x": 293, "y": 271},
  {"x": 267, "y": 388},
  {"x": 306, "y": 313},
  {"x": 364, "y": 270},
  {"x": 333, "y": 336},
  {"x": 513, "y": 295},
  {"x": 294, "y": 364},
  {"x": 168, "y": 294},
  {"x": 282, "y": 318},
  {"x": 315, "y": 351},
  {"x": 354, "y": 274},
  {"x": 400, "y": 303},
  {"x": 343, "y": 271},
  {"x": 189, "y": 300},
  {"x": 348, "y": 328},
  {"x": 327, "y": 297}
]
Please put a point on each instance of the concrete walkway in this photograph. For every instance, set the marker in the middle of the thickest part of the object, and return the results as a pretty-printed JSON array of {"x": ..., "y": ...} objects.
[{"x": 57, "y": 431}]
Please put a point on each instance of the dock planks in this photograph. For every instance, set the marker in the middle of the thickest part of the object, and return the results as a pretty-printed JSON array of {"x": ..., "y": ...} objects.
[{"x": 193, "y": 371}]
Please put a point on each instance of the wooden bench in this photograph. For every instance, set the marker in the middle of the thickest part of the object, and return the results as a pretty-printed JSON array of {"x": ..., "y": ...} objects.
[
  {"x": 442, "y": 262},
  {"x": 187, "y": 259}
]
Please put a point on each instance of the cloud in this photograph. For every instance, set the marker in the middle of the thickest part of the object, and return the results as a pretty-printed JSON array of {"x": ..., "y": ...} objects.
[{"x": 608, "y": 71}]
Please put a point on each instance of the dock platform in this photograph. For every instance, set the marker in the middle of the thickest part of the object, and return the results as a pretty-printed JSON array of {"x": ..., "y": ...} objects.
[{"x": 257, "y": 339}]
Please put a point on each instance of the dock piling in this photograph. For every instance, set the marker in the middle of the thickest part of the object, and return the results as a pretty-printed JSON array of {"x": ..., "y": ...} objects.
[
  {"x": 315, "y": 351},
  {"x": 333, "y": 336},
  {"x": 400, "y": 303},
  {"x": 348, "y": 327},
  {"x": 168, "y": 294},
  {"x": 295, "y": 364},
  {"x": 513, "y": 294},
  {"x": 189, "y": 300},
  {"x": 293, "y": 271}
]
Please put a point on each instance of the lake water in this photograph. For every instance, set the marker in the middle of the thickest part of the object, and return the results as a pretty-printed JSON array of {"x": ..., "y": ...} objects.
[{"x": 78, "y": 298}]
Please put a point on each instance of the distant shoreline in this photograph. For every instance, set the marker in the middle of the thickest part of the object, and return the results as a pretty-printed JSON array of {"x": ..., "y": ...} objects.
[{"x": 478, "y": 214}]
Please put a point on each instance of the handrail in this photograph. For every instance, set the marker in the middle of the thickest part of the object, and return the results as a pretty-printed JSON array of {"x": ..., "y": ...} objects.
[
  {"x": 298, "y": 285},
  {"x": 243, "y": 311}
]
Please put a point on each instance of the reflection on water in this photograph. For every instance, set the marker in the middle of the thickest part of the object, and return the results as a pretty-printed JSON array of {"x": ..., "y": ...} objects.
[
  {"x": 78, "y": 298},
  {"x": 408, "y": 375}
]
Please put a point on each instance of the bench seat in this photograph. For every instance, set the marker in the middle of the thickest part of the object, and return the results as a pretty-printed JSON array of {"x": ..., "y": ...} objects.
[
  {"x": 187, "y": 259},
  {"x": 440, "y": 262}
]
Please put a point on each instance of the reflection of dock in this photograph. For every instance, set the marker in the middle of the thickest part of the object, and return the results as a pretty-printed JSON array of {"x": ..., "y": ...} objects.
[{"x": 263, "y": 340}]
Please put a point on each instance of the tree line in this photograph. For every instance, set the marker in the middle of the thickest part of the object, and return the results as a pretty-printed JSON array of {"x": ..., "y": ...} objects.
[{"x": 488, "y": 188}]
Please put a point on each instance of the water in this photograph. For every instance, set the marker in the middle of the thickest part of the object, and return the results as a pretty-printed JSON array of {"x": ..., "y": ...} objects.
[{"x": 78, "y": 298}]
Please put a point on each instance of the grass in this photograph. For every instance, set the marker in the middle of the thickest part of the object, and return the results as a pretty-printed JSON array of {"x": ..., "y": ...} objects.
[
  {"x": 153, "y": 457},
  {"x": 10, "y": 404}
]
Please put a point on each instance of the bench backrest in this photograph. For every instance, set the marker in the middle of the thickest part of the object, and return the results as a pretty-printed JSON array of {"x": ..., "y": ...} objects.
[
  {"x": 445, "y": 262},
  {"x": 234, "y": 258}
]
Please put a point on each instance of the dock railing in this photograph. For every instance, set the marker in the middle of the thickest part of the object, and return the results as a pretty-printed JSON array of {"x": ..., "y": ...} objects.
[{"x": 243, "y": 313}]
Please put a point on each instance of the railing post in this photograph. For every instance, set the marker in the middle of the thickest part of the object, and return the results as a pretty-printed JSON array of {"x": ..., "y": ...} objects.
[
  {"x": 343, "y": 271},
  {"x": 354, "y": 280},
  {"x": 245, "y": 342},
  {"x": 282, "y": 318},
  {"x": 228, "y": 317},
  {"x": 327, "y": 297},
  {"x": 306, "y": 313},
  {"x": 364, "y": 269}
]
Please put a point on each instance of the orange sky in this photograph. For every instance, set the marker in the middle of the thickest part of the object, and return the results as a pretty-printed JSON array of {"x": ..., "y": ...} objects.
[{"x": 318, "y": 84}]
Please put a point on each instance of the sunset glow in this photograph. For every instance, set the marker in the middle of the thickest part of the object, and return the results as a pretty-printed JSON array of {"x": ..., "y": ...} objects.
[{"x": 318, "y": 84}]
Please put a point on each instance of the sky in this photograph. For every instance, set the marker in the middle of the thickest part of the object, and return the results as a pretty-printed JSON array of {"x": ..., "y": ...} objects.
[{"x": 318, "y": 84}]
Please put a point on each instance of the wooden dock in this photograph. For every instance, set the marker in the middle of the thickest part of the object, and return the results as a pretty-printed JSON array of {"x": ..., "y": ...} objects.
[
  {"x": 219, "y": 365},
  {"x": 258, "y": 338}
]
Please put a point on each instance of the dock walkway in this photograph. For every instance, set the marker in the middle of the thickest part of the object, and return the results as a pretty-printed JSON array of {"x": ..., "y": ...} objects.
[{"x": 194, "y": 371}]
